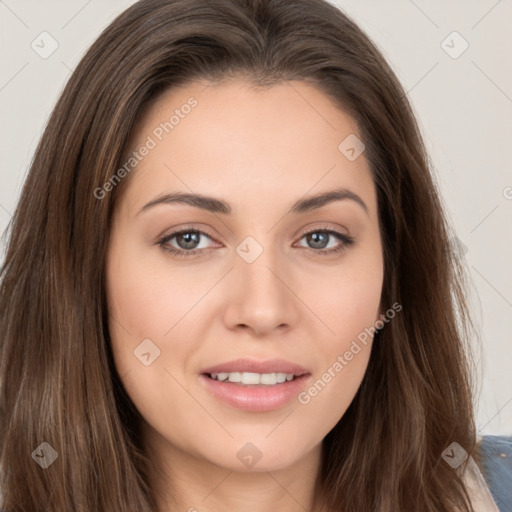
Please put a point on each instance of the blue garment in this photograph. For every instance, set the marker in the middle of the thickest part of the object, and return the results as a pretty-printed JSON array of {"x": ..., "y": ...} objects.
[{"x": 497, "y": 469}]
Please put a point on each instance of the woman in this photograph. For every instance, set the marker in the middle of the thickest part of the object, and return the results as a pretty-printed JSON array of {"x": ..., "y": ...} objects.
[{"x": 308, "y": 354}]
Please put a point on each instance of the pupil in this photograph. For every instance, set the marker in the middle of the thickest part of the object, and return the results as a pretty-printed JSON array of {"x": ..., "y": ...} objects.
[
  {"x": 191, "y": 238},
  {"x": 316, "y": 237}
]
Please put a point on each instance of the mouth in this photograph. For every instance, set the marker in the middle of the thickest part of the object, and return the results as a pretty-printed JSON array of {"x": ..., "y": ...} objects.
[
  {"x": 252, "y": 378},
  {"x": 255, "y": 386},
  {"x": 254, "y": 392},
  {"x": 253, "y": 372}
]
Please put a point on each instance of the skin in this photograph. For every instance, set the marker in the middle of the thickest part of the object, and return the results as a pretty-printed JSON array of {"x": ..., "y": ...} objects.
[{"x": 260, "y": 150}]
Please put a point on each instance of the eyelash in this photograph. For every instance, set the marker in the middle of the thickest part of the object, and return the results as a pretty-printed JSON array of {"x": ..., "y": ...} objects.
[{"x": 347, "y": 241}]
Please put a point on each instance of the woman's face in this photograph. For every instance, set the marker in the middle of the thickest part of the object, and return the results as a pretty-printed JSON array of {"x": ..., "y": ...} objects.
[{"x": 249, "y": 285}]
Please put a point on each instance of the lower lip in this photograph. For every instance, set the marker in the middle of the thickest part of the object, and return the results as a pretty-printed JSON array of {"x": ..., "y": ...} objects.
[{"x": 256, "y": 398}]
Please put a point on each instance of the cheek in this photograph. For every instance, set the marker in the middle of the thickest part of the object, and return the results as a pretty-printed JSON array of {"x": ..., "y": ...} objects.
[
  {"x": 346, "y": 355},
  {"x": 349, "y": 305},
  {"x": 146, "y": 294},
  {"x": 344, "y": 359},
  {"x": 152, "y": 298},
  {"x": 350, "y": 298}
]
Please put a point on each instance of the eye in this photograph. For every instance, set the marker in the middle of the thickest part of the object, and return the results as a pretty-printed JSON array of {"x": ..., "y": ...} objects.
[
  {"x": 320, "y": 239},
  {"x": 188, "y": 241}
]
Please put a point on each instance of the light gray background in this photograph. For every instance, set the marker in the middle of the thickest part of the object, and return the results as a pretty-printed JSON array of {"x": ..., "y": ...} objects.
[{"x": 464, "y": 107}]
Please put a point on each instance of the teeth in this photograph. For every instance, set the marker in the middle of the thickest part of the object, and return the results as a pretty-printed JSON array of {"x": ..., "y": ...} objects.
[
  {"x": 234, "y": 377},
  {"x": 268, "y": 379}
]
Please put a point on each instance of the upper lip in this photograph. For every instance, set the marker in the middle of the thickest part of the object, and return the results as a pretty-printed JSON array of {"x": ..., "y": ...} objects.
[{"x": 255, "y": 366}]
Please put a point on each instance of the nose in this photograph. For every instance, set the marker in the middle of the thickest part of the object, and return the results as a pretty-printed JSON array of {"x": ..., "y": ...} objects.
[{"x": 262, "y": 297}]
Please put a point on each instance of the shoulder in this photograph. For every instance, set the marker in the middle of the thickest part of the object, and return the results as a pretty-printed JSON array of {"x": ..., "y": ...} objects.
[{"x": 496, "y": 462}]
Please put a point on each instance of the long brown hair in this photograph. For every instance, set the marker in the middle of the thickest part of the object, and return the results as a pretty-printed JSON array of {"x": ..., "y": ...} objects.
[{"x": 57, "y": 377}]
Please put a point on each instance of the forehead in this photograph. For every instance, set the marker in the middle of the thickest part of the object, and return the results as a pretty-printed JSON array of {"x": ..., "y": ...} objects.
[{"x": 236, "y": 140}]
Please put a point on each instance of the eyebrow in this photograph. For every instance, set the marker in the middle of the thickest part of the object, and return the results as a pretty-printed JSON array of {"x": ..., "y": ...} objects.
[{"x": 215, "y": 205}]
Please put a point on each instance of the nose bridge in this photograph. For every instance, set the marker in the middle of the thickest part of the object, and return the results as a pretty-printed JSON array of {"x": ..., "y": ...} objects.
[
  {"x": 261, "y": 299},
  {"x": 257, "y": 265}
]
